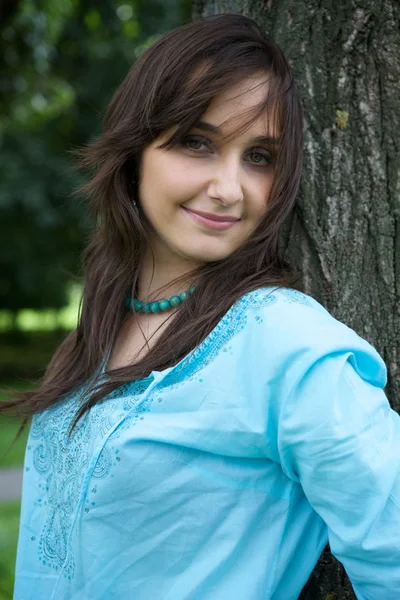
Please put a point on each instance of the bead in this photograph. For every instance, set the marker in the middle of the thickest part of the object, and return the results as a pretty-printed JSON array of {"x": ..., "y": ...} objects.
[
  {"x": 174, "y": 301},
  {"x": 164, "y": 305},
  {"x": 183, "y": 296},
  {"x": 155, "y": 307}
]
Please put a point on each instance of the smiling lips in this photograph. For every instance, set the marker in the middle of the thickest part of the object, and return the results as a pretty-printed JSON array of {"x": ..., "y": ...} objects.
[{"x": 211, "y": 220}]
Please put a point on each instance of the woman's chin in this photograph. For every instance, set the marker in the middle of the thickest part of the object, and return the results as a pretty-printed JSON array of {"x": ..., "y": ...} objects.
[{"x": 206, "y": 257}]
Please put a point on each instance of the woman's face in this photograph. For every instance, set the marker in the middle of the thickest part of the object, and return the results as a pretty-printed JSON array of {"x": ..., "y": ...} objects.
[{"x": 204, "y": 198}]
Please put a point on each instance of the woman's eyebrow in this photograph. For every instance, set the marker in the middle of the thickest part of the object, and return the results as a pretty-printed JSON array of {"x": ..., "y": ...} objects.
[{"x": 210, "y": 128}]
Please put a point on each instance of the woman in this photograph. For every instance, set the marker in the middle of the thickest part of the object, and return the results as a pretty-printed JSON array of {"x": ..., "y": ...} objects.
[{"x": 207, "y": 428}]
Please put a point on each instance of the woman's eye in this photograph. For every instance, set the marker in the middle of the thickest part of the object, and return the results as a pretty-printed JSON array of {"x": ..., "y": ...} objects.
[
  {"x": 191, "y": 143},
  {"x": 260, "y": 158}
]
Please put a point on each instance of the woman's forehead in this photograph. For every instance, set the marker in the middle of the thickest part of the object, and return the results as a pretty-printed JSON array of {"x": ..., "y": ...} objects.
[
  {"x": 243, "y": 110},
  {"x": 233, "y": 107}
]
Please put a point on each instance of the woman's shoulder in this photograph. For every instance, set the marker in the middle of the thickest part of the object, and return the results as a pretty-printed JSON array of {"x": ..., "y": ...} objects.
[
  {"x": 279, "y": 304},
  {"x": 265, "y": 296},
  {"x": 290, "y": 324}
]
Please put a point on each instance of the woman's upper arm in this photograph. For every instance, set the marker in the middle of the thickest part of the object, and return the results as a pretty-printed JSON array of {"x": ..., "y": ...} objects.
[{"x": 339, "y": 438}]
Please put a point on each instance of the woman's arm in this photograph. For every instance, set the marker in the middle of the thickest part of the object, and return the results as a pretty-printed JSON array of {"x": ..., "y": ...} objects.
[{"x": 339, "y": 438}]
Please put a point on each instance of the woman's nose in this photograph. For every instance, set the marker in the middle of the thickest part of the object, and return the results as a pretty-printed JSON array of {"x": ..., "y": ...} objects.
[{"x": 226, "y": 184}]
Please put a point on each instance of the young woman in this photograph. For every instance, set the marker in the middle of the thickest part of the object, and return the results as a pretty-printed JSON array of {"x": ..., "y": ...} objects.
[{"x": 207, "y": 428}]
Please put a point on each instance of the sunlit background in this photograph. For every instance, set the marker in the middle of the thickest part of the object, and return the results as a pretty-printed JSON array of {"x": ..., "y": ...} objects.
[{"x": 63, "y": 60}]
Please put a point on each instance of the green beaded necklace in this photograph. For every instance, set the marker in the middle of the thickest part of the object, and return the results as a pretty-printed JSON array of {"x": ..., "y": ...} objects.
[{"x": 159, "y": 305}]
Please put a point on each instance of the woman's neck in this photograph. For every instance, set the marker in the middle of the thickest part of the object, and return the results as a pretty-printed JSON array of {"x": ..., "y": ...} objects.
[{"x": 157, "y": 276}]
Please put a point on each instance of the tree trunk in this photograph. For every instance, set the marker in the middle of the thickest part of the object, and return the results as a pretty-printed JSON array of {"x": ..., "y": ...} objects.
[{"x": 344, "y": 234}]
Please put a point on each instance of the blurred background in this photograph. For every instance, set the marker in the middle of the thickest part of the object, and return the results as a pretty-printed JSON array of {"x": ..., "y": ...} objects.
[{"x": 62, "y": 62}]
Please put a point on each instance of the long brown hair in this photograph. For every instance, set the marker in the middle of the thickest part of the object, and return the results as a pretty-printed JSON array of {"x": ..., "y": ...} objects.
[{"x": 171, "y": 84}]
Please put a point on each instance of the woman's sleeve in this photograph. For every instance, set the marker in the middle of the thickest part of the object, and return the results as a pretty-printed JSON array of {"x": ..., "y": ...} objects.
[{"x": 338, "y": 437}]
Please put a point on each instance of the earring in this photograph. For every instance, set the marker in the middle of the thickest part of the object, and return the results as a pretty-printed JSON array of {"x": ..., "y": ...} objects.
[{"x": 131, "y": 186}]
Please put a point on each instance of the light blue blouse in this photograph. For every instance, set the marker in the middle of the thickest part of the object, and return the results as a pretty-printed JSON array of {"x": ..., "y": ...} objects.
[{"x": 224, "y": 476}]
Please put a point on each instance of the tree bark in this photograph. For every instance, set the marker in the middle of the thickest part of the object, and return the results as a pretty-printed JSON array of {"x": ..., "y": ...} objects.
[{"x": 344, "y": 233}]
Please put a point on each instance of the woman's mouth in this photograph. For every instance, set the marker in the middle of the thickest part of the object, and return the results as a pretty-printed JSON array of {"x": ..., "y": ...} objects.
[{"x": 210, "y": 222}]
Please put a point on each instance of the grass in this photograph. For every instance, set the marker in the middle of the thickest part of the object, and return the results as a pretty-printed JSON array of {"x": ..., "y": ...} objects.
[
  {"x": 9, "y": 524},
  {"x": 10, "y": 511}
]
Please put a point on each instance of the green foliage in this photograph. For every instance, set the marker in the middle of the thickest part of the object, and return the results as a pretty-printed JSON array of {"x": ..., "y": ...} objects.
[
  {"x": 9, "y": 524},
  {"x": 63, "y": 61},
  {"x": 26, "y": 354}
]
